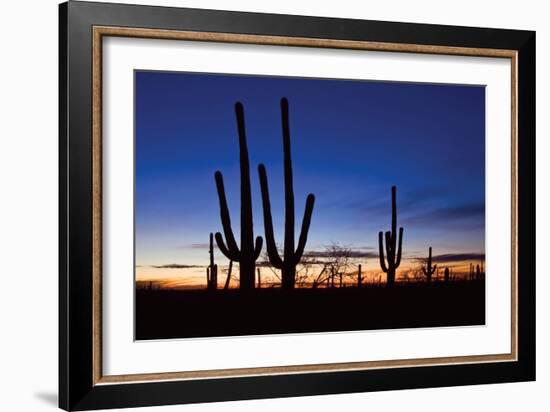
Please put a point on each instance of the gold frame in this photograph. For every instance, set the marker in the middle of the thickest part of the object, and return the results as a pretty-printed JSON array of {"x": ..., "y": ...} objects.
[{"x": 100, "y": 31}]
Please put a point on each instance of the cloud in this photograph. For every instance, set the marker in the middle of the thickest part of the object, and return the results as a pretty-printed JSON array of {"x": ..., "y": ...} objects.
[
  {"x": 177, "y": 266},
  {"x": 455, "y": 257},
  {"x": 266, "y": 263},
  {"x": 379, "y": 204},
  {"x": 366, "y": 247},
  {"x": 350, "y": 253},
  {"x": 474, "y": 213},
  {"x": 198, "y": 246}
]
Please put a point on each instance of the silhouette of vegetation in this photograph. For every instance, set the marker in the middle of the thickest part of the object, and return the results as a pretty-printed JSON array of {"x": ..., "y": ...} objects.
[
  {"x": 333, "y": 284},
  {"x": 212, "y": 269},
  {"x": 428, "y": 270},
  {"x": 338, "y": 260},
  {"x": 292, "y": 256},
  {"x": 393, "y": 255},
  {"x": 249, "y": 250}
]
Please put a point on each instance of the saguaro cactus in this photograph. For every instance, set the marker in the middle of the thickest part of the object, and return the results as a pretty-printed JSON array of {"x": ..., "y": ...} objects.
[
  {"x": 292, "y": 256},
  {"x": 393, "y": 254},
  {"x": 428, "y": 269},
  {"x": 212, "y": 269},
  {"x": 359, "y": 276},
  {"x": 446, "y": 275},
  {"x": 249, "y": 250}
]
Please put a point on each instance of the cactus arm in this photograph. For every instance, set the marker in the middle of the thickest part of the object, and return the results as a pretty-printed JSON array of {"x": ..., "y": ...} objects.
[
  {"x": 393, "y": 216},
  {"x": 271, "y": 246},
  {"x": 224, "y": 249},
  {"x": 398, "y": 260},
  {"x": 381, "y": 252},
  {"x": 228, "y": 278},
  {"x": 424, "y": 270},
  {"x": 247, "y": 237},
  {"x": 258, "y": 247},
  {"x": 273, "y": 254},
  {"x": 289, "y": 185},
  {"x": 306, "y": 222},
  {"x": 434, "y": 269},
  {"x": 224, "y": 215}
]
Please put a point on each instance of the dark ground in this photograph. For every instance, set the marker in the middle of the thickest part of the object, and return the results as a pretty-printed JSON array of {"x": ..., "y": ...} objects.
[{"x": 162, "y": 314}]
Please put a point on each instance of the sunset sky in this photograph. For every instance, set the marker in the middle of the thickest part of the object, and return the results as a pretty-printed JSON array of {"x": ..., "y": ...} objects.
[{"x": 351, "y": 141}]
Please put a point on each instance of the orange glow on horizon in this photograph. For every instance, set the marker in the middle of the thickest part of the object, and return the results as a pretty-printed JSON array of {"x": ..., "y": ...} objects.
[{"x": 178, "y": 278}]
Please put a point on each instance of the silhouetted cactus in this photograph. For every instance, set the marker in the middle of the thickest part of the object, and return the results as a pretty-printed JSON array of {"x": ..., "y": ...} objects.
[
  {"x": 212, "y": 269},
  {"x": 259, "y": 278},
  {"x": 393, "y": 255},
  {"x": 428, "y": 269},
  {"x": 478, "y": 273},
  {"x": 292, "y": 256},
  {"x": 446, "y": 275},
  {"x": 249, "y": 250},
  {"x": 359, "y": 276}
]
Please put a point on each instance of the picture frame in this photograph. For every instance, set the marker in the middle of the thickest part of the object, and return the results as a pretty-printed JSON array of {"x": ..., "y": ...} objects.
[{"x": 83, "y": 385}]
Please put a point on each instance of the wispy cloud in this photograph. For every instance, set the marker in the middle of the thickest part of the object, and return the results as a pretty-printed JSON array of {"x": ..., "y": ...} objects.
[
  {"x": 350, "y": 253},
  {"x": 379, "y": 204},
  {"x": 473, "y": 213},
  {"x": 177, "y": 266},
  {"x": 453, "y": 257},
  {"x": 458, "y": 257},
  {"x": 198, "y": 246},
  {"x": 365, "y": 247}
]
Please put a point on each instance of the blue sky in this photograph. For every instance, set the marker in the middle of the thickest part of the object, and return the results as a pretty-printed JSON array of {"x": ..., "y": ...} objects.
[{"x": 351, "y": 141}]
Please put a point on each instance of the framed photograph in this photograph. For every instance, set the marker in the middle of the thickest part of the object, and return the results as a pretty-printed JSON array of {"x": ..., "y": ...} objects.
[{"x": 257, "y": 205}]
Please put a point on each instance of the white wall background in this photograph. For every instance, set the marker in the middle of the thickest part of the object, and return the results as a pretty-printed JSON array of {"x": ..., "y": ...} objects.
[{"x": 28, "y": 203}]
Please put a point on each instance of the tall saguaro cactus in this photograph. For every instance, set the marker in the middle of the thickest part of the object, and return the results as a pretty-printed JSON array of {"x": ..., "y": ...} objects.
[
  {"x": 212, "y": 269},
  {"x": 249, "y": 250},
  {"x": 428, "y": 269},
  {"x": 447, "y": 275},
  {"x": 393, "y": 255},
  {"x": 292, "y": 256}
]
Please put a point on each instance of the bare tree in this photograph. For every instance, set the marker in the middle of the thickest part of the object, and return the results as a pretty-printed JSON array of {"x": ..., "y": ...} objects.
[
  {"x": 338, "y": 262},
  {"x": 305, "y": 269},
  {"x": 322, "y": 277}
]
